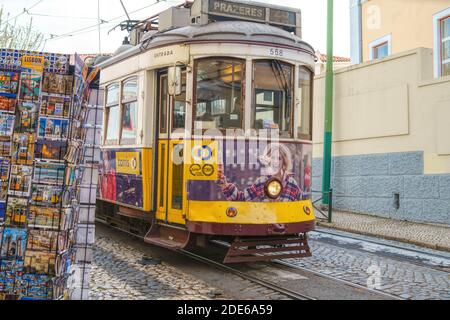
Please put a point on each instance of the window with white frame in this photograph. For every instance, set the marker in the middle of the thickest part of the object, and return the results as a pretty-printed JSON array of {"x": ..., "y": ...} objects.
[
  {"x": 380, "y": 48},
  {"x": 442, "y": 43}
]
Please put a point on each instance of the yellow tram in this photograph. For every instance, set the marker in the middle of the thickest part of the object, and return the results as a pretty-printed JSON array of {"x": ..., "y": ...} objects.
[{"x": 208, "y": 130}]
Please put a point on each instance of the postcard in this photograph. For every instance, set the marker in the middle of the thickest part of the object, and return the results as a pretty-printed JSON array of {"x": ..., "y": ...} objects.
[
  {"x": 20, "y": 181},
  {"x": 23, "y": 148},
  {"x": 38, "y": 262},
  {"x": 36, "y": 286},
  {"x": 54, "y": 150},
  {"x": 13, "y": 244},
  {"x": 7, "y": 104},
  {"x": 8, "y": 282},
  {"x": 6, "y": 124},
  {"x": 46, "y": 217},
  {"x": 42, "y": 240},
  {"x": 49, "y": 173},
  {"x": 27, "y": 116},
  {"x": 57, "y": 84},
  {"x": 46, "y": 195},
  {"x": 53, "y": 128},
  {"x": 56, "y": 106},
  {"x": 73, "y": 152},
  {"x": 5, "y": 146},
  {"x": 30, "y": 86},
  {"x": 2, "y": 213},
  {"x": 9, "y": 82},
  {"x": 16, "y": 212},
  {"x": 63, "y": 262},
  {"x": 4, "y": 176}
]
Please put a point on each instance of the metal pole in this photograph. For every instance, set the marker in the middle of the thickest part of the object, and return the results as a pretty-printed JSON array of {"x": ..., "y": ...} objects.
[
  {"x": 99, "y": 23},
  {"x": 328, "y": 127}
]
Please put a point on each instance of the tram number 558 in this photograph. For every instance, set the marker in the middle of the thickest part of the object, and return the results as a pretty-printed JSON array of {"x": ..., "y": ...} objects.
[{"x": 276, "y": 52}]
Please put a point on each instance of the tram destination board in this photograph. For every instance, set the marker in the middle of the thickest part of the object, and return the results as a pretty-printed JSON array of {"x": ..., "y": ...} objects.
[
  {"x": 253, "y": 12},
  {"x": 237, "y": 9}
]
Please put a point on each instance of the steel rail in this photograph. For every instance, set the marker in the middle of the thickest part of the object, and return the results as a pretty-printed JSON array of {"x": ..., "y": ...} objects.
[
  {"x": 270, "y": 285},
  {"x": 324, "y": 275},
  {"x": 349, "y": 283},
  {"x": 267, "y": 284},
  {"x": 381, "y": 243}
]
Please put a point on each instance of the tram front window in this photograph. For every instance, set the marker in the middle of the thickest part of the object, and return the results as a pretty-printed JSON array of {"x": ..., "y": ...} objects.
[
  {"x": 273, "y": 96},
  {"x": 220, "y": 84}
]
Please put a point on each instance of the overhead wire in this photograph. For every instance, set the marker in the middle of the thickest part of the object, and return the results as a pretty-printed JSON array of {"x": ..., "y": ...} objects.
[
  {"x": 24, "y": 11},
  {"x": 104, "y": 22}
]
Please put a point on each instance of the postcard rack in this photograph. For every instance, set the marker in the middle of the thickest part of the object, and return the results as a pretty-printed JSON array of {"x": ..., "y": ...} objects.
[{"x": 41, "y": 104}]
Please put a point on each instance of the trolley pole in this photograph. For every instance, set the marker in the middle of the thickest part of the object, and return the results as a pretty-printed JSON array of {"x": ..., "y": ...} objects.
[{"x": 328, "y": 126}]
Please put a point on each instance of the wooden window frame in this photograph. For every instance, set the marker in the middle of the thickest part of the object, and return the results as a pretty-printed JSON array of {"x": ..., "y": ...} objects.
[
  {"x": 309, "y": 136},
  {"x": 123, "y": 102},
  {"x": 253, "y": 104},
  {"x": 243, "y": 81},
  {"x": 375, "y": 48},
  {"x": 441, "y": 45},
  {"x": 107, "y": 111}
]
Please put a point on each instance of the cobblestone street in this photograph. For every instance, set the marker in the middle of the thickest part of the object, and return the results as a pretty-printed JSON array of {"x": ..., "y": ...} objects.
[
  {"x": 119, "y": 272},
  {"x": 122, "y": 271},
  {"x": 400, "y": 276}
]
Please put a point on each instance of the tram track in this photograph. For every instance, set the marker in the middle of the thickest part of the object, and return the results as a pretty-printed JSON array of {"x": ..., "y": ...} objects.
[
  {"x": 411, "y": 255},
  {"x": 264, "y": 283},
  {"x": 324, "y": 275},
  {"x": 271, "y": 285},
  {"x": 365, "y": 239}
]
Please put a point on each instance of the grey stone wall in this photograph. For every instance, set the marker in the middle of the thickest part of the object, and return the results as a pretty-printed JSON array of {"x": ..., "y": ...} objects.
[{"x": 368, "y": 184}]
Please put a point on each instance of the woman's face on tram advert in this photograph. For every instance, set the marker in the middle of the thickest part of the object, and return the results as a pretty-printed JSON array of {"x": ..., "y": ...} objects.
[{"x": 275, "y": 161}]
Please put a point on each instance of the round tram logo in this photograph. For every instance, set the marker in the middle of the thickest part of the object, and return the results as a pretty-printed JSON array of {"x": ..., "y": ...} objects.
[{"x": 202, "y": 153}]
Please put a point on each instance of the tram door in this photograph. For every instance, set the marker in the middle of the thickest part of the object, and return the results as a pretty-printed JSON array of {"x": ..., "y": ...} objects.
[{"x": 170, "y": 176}]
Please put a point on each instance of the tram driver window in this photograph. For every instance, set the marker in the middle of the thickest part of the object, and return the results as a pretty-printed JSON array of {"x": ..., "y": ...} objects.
[
  {"x": 273, "y": 96},
  {"x": 112, "y": 114},
  {"x": 129, "y": 105},
  {"x": 219, "y": 93},
  {"x": 305, "y": 109}
]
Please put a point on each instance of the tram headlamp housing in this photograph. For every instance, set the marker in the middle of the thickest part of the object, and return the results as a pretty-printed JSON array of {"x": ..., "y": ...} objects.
[{"x": 273, "y": 188}]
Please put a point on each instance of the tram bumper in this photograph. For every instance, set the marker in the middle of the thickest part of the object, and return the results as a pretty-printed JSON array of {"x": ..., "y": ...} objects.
[
  {"x": 231, "y": 229},
  {"x": 251, "y": 218}
]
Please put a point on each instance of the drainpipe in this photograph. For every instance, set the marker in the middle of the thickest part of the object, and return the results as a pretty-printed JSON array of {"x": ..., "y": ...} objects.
[
  {"x": 328, "y": 126},
  {"x": 356, "y": 31},
  {"x": 360, "y": 31}
]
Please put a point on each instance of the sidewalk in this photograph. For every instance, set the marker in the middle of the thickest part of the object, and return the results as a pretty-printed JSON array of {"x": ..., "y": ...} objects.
[{"x": 425, "y": 235}]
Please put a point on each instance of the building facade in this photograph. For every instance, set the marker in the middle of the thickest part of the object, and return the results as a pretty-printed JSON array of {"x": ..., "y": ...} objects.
[
  {"x": 383, "y": 27},
  {"x": 391, "y": 146}
]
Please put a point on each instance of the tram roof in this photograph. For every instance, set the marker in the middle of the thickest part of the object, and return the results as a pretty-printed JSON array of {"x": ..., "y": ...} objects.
[{"x": 232, "y": 31}]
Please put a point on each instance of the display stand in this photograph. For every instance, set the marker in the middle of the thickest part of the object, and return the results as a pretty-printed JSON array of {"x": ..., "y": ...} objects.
[{"x": 39, "y": 181}]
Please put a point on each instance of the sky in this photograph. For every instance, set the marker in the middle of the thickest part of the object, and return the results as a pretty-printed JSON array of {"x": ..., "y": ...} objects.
[{"x": 72, "y": 26}]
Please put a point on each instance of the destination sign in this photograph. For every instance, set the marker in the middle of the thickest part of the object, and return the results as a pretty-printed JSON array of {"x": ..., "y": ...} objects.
[
  {"x": 237, "y": 9},
  {"x": 282, "y": 16},
  {"x": 252, "y": 12}
]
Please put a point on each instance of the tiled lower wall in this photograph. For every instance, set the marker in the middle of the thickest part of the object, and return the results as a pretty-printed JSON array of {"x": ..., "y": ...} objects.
[{"x": 368, "y": 184}]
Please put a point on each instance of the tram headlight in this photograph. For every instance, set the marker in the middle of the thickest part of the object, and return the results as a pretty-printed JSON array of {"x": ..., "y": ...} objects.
[{"x": 273, "y": 188}]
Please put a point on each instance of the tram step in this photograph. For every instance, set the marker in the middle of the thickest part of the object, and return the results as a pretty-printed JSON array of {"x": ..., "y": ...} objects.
[
  {"x": 252, "y": 249},
  {"x": 167, "y": 237}
]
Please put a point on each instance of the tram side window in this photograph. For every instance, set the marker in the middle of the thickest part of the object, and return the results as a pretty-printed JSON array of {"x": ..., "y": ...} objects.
[
  {"x": 129, "y": 104},
  {"x": 112, "y": 113},
  {"x": 305, "y": 113},
  {"x": 179, "y": 106},
  {"x": 219, "y": 93},
  {"x": 273, "y": 96}
]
